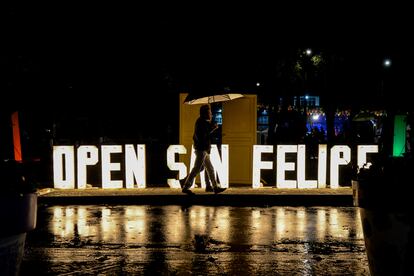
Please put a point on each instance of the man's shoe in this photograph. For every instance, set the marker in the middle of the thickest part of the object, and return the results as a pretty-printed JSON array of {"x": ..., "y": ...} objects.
[
  {"x": 219, "y": 190},
  {"x": 188, "y": 192},
  {"x": 209, "y": 189}
]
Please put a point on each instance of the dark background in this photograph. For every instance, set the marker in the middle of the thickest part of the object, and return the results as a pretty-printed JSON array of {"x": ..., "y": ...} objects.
[
  {"x": 77, "y": 72},
  {"x": 70, "y": 54}
]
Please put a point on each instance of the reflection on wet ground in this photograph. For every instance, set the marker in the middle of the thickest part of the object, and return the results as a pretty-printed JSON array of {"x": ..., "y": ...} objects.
[{"x": 200, "y": 240}]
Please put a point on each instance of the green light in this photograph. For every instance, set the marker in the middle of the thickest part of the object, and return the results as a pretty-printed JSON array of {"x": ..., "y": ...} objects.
[{"x": 399, "y": 135}]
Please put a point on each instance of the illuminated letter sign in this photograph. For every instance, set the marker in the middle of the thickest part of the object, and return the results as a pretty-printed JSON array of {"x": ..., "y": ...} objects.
[
  {"x": 135, "y": 166},
  {"x": 108, "y": 166},
  {"x": 258, "y": 164},
  {"x": 70, "y": 172},
  {"x": 87, "y": 155},
  {"x": 336, "y": 160},
  {"x": 283, "y": 166},
  {"x": 362, "y": 154},
  {"x": 302, "y": 182},
  {"x": 340, "y": 155},
  {"x": 64, "y": 166},
  {"x": 322, "y": 159},
  {"x": 176, "y": 166},
  {"x": 220, "y": 165}
]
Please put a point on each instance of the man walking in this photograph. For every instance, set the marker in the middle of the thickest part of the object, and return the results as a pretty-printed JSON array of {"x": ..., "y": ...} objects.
[{"x": 202, "y": 146}]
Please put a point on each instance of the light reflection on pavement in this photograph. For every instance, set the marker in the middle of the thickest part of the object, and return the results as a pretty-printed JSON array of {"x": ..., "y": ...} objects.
[{"x": 159, "y": 240}]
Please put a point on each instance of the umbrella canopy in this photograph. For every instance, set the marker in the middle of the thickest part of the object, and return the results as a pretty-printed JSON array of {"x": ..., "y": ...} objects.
[
  {"x": 363, "y": 117},
  {"x": 207, "y": 99}
]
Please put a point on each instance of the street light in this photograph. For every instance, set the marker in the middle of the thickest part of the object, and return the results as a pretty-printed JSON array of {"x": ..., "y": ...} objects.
[
  {"x": 387, "y": 62},
  {"x": 399, "y": 131}
]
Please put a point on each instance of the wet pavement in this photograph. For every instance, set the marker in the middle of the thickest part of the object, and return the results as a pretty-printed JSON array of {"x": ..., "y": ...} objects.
[{"x": 195, "y": 240}]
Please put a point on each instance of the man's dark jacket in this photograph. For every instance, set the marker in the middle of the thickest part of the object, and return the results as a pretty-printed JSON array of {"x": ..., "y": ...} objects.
[{"x": 201, "y": 137}]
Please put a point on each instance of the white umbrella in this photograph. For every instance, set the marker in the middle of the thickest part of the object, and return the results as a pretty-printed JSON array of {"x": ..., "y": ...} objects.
[
  {"x": 363, "y": 117},
  {"x": 207, "y": 99}
]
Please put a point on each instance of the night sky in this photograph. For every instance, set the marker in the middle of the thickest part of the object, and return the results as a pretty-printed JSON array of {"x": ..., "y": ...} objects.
[{"x": 71, "y": 55}]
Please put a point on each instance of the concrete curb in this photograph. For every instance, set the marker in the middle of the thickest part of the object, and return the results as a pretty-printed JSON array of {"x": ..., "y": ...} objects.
[{"x": 231, "y": 197}]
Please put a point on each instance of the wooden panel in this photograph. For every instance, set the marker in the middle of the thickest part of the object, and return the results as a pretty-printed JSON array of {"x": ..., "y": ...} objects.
[
  {"x": 239, "y": 132},
  {"x": 240, "y": 161}
]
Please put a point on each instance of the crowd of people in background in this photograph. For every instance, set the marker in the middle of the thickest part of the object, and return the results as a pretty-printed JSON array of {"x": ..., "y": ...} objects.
[{"x": 288, "y": 125}]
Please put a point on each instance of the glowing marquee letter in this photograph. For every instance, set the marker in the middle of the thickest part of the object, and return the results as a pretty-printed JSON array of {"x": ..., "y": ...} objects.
[
  {"x": 66, "y": 155},
  {"x": 176, "y": 166},
  {"x": 337, "y": 160},
  {"x": 362, "y": 154},
  {"x": 322, "y": 162},
  {"x": 70, "y": 175},
  {"x": 283, "y": 166},
  {"x": 135, "y": 166},
  {"x": 87, "y": 155},
  {"x": 301, "y": 172},
  {"x": 258, "y": 164},
  {"x": 221, "y": 168},
  {"x": 107, "y": 167}
]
